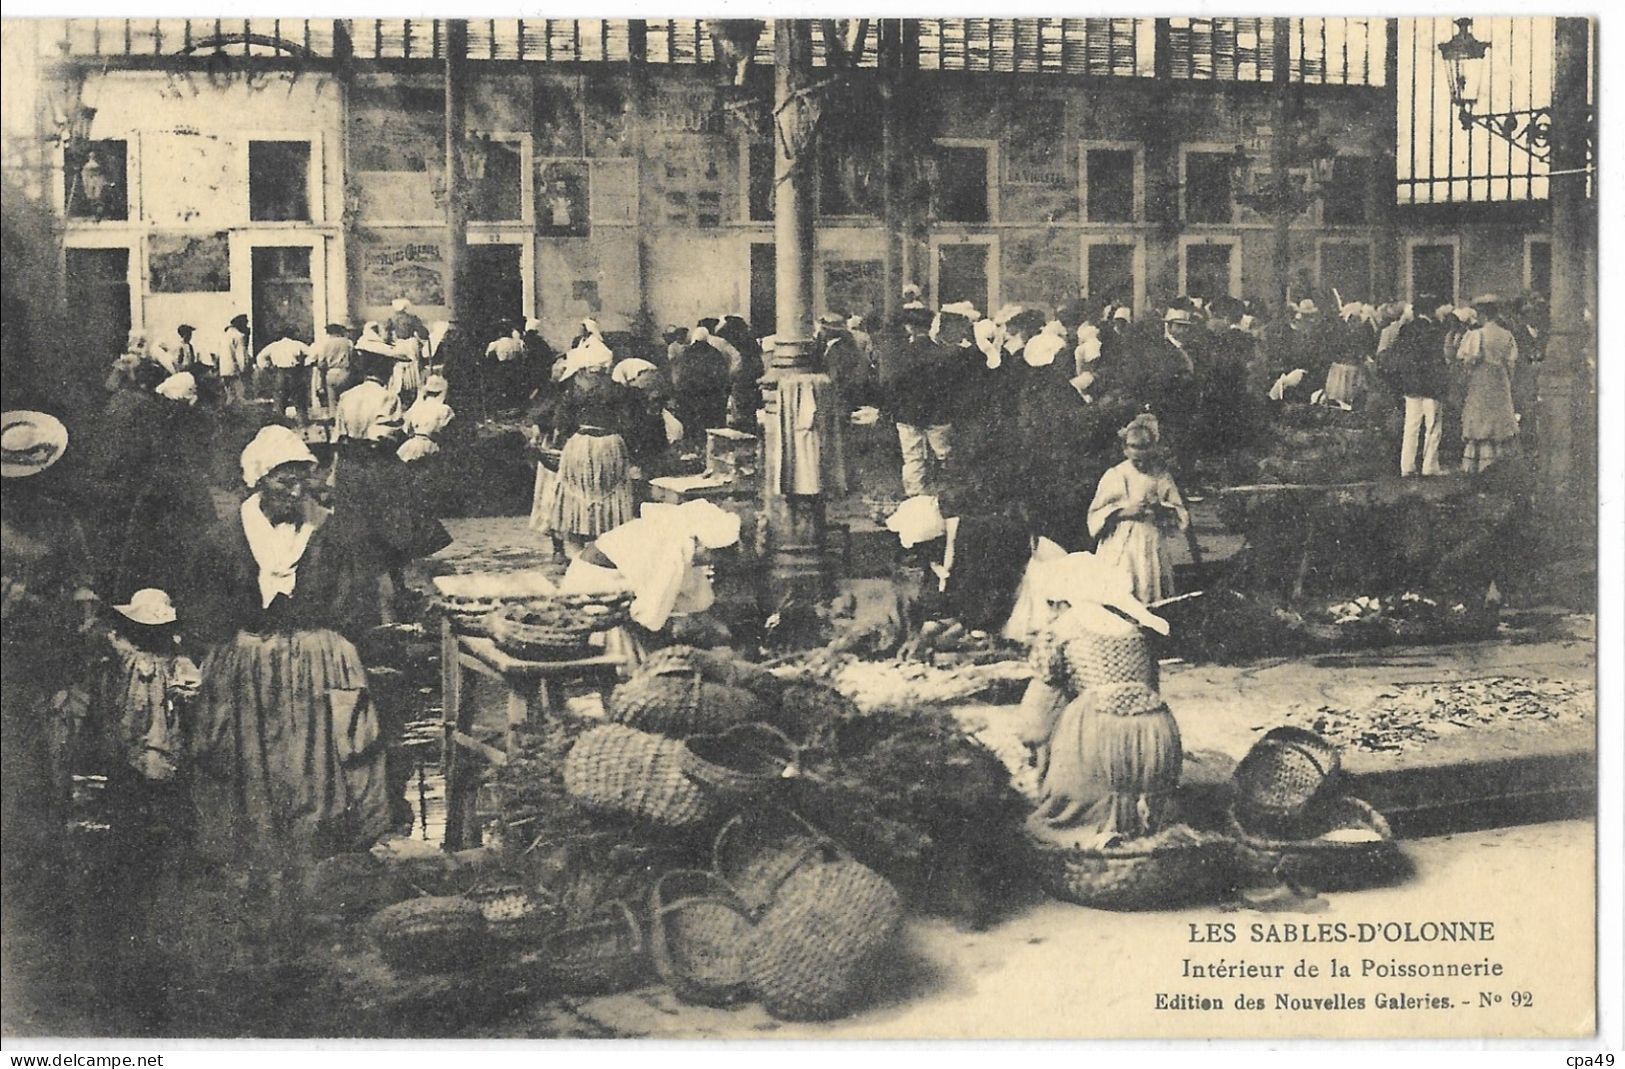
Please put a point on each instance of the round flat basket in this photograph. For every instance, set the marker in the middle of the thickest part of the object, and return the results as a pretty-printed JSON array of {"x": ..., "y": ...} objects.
[
  {"x": 756, "y": 851},
  {"x": 537, "y": 632},
  {"x": 604, "y": 954},
  {"x": 1350, "y": 846},
  {"x": 1283, "y": 772},
  {"x": 429, "y": 934},
  {"x": 1176, "y": 867},
  {"x": 740, "y": 762},
  {"x": 813, "y": 948},
  {"x": 618, "y": 769},
  {"x": 697, "y": 937}
]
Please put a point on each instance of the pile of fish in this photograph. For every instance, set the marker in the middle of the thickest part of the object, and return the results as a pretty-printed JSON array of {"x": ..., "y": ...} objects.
[{"x": 1413, "y": 714}]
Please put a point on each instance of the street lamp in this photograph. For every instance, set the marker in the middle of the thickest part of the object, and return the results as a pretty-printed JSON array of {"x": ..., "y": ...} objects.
[{"x": 1527, "y": 129}]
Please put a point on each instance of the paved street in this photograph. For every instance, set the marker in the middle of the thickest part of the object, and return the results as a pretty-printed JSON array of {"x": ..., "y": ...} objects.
[{"x": 1060, "y": 971}]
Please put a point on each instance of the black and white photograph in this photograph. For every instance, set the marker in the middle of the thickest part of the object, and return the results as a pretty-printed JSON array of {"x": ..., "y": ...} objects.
[{"x": 782, "y": 529}]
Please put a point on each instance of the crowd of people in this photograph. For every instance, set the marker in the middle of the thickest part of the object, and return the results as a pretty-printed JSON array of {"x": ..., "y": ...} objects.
[{"x": 146, "y": 576}]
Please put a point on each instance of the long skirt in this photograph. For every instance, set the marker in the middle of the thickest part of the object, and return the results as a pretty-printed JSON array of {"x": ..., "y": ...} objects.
[
  {"x": 289, "y": 762},
  {"x": 593, "y": 491},
  {"x": 1478, "y": 454},
  {"x": 1108, "y": 773}
]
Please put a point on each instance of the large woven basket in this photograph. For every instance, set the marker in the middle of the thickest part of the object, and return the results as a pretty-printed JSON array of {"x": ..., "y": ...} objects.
[
  {"x": 618, "y": 769},
  {"x": 1316, "y": 861},
  {"x": 1100, "y": 660},
  {"x": 815, "y": 947},
  {"x": 1176, "y": 867},
  {"x": 680, "y": 703},
  {"x": 697, "y": 937},
  {"x": 715, "y": 667},
  {"x": 1282, "y": 774},
  {"x": 434, "y": 934},
  {"x": 539, "y": 632},
  {"x": 602, "y": 955},
  {"x": 756, "y": 851},
  {"x": 740, "y": 762}
]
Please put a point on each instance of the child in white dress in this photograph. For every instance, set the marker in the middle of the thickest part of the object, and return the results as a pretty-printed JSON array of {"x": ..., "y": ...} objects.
[{"x": 1135, "y": 507}]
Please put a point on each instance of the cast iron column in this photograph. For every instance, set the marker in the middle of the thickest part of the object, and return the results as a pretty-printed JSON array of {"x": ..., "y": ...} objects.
[
  {"x": 456, "y": 198},
  {"x": 1281, "y": 159},
  {"x": 794, "y": 510},
  {"x": 1569, "y": 338}
]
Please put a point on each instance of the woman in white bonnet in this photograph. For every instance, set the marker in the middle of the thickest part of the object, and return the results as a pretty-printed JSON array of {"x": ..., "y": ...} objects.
[{"x": 289, "y": 766}]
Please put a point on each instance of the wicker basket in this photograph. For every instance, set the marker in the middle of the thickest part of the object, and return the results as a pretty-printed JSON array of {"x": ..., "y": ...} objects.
[
  {"x": 539, "y": 632},
  {"x": 1099, "y": 660},
  {"x": 811, "y": 951},
  {"x": 1282, "y": 774},
  {"x": 715, "y": 667},
  {"x": 697, "y": 937},
  {"x": 1176, "y": 867},
  {"x": 618, "y": 769},
  {"x": 514, "y": 918},
  {"x": 678, "y": 704},
  {"x": 740, "y": 762},
  {"x": 429, "y": 934},
  {"x": 605, "y": 954},
  {"x": 756, "y": 852},
  {"x": 1315, "y": 862}
]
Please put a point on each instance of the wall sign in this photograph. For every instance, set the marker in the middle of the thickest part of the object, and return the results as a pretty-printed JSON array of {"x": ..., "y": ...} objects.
[
  {"x": 414, "y": 270},
  {"x": 189, "y": 263}
]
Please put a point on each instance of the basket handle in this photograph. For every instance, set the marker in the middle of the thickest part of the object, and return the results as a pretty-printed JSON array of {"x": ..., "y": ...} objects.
[{"x": 659, "y": 907}]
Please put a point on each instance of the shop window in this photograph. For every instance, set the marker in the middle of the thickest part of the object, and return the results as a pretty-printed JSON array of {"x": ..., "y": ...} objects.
[
  {"x": 1208, "y": 196},
  {"x": 95, "y": 182},
  {"x": 1109, "y": 178},
  {"x": 962, "y": 274},
  {"x": 1207, "y": 270},
  {"x": 1110, "y": 276},
  {"x": 961, "y": 186},
  {"x": 279, "y": 181},
  {"x": 1348, "y": 193},
  {"x": 496, "y": 175},
  {"x": 761, "y": 181}
]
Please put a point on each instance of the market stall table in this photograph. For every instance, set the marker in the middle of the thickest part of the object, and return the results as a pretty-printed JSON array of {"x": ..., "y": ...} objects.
[{"x": 534, "y": 690}]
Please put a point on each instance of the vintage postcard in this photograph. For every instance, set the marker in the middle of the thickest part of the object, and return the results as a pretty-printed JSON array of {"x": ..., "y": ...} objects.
[{"x": 766, "y": 529}]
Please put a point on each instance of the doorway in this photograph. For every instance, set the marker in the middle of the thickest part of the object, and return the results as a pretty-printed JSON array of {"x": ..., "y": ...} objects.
[
  {"x": 495, "y": 290},
  {"x": 764, "y": 287},
  {"x": 99, "y": 298},
  {"x": 283, "y": 296},
  {"x": 1345, "y": 271},
  {"x": 1208, "y": 270},
  {"x": 962, "y": 274},
  {"x": 1433, "y": 273}
]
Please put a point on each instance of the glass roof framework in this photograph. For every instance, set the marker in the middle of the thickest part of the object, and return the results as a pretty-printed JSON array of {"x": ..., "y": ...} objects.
[{"x": 1436, "y": 160}]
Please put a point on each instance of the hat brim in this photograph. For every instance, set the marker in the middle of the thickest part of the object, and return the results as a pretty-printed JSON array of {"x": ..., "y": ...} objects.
[
  {"x": 146, "y": 618},
  {"x": 47, "y": 449}
]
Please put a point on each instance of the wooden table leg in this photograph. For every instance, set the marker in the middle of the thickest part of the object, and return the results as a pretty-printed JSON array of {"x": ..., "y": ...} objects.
[{"x": 457, "y": 715}]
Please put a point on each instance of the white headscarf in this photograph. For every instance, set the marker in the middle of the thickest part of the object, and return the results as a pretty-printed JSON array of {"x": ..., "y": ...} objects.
[
  {"x": 181, "y": 386},
  {"x": 271, "y": 448},
  {"x": 1041, "y": 350},
  {"x": 627, "y": 370},
  {"x": 919, "y": 519},
  {"x": 1085, "y": 582},
  {"x": 592, "y": 352}
]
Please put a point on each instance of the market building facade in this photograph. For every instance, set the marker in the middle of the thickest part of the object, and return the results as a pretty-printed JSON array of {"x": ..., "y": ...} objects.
[{"x": 294, "y": 170}]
